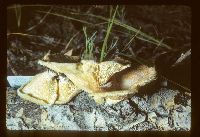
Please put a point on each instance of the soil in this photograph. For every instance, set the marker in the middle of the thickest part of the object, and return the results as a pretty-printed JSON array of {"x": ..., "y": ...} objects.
[{"x": 46, "y": 32}]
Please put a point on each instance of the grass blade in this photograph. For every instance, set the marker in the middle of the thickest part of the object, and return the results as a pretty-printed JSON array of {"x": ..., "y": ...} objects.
[
  {"x": 89, "y": 45},
  {"x": 107, "y": 35},
  {"x": 66, "y": 17}
]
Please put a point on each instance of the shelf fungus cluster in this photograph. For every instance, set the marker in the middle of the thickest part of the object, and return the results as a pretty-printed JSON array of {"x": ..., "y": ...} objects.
[{"x": 106, "y": 82}]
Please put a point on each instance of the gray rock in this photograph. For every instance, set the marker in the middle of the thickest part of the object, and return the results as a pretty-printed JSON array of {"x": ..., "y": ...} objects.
[
  {"x": 163, "y": 124},
  {"x": 182, "y": 117},
  {"x": 160, "y": 111},
  {"x": 152, "y": 117}
]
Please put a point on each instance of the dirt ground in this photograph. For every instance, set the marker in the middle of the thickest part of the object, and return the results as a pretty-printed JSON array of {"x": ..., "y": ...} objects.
[{"x": 32, "y": 32}]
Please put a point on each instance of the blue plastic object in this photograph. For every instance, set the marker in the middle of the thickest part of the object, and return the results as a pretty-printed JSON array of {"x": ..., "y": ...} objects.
[{"x": 18, "y": 81}]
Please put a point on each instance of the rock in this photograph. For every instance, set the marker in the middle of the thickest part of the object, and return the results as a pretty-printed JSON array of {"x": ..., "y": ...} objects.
[
  {"x": 160, "y": 111},
  {"x": 100, "y": 123},
  {"x": 163, "y": 100},
  {"x": 162, "y": 123},
  {"x": 152, "y": 117},
  {"x": 182, "y": 117}
]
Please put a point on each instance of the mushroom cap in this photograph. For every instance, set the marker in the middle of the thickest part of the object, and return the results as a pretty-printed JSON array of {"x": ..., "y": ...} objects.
[
  {"x": 45, "y": 89},
  {"x": 107, "y": 81}
]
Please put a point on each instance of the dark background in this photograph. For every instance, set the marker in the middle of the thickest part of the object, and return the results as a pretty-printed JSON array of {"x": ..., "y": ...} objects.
[{"x": 50, "y": 32}]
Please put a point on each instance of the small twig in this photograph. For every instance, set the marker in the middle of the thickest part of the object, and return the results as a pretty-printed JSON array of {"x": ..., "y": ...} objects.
[
  {"x": 111, "y": 48},
  {"x": 154, "y": 51},
  {"x": 41, "y": 21},
  {"x": 12, "y": 7},
  {"x": 11, "y": 68},
  {"x": 139, "y": 61},
  {"x": 100, "y": 23},
  {"x": 18, "y": 13},
  {"x": 67, "y": 17},
  {"x": 29, "y": 35},
  {"x": 66, "y": 47},
  {"x": 183, "y": 56},
  {"x": 156, "y": 30},
  {"x": 128, "y": 44},
  {"x": 185, "y": 88}
]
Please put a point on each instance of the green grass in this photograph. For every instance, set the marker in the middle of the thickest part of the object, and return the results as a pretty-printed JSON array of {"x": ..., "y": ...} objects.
[
  {"x": 141, "y": 35},
  {"x": 104, "y": 46},
  {"x": 111, "y": 47},
  {"x": 89, "y": 45}
]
